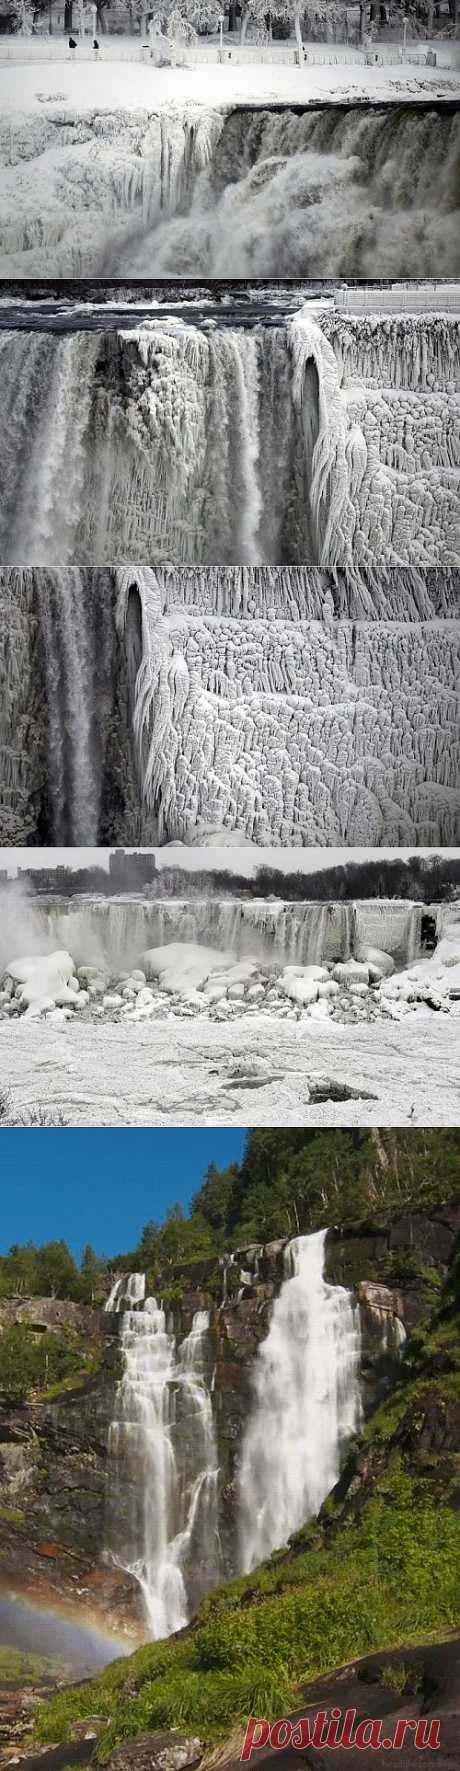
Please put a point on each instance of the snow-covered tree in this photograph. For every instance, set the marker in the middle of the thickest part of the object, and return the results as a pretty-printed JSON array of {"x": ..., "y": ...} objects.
[
  {"x": 197, "y": 13},
  {"x": 25, "y": 13},
  {"x": 253, "y": 12},
  {"x": 204, "y": 14},
  {"x": 257, "y": 11}
]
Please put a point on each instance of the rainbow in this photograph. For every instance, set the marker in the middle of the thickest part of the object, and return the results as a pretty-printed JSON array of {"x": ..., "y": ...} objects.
[{"x": 59, "y": 1630}]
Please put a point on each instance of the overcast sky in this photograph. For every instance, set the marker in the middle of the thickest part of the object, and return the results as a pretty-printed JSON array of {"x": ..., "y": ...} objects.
[{"x": 245, "y": 861}]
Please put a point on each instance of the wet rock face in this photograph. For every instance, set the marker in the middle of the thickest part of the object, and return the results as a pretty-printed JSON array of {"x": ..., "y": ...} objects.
[
  {"x": 399, "y": 1254},
  {"x": 53, "y": 1476}
]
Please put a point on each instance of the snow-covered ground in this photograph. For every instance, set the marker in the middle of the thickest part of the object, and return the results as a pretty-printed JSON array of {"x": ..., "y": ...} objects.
[
  {"x": 255, "y": 1073},
  {"x": 119, "y": 79},
  {"x": 101, "y": 161},
  {"x": 190, "y": 1029}
]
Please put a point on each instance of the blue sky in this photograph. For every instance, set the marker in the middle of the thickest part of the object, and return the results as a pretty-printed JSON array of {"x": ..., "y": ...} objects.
[{"x": 101, "y": 1186}]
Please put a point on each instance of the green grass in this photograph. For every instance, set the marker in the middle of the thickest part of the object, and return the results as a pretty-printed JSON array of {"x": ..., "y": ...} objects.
[
  {"x": 18, "y": 1668},
  {"x": 390, "y": 1577},
  {"x": 394, "y": 1677}
]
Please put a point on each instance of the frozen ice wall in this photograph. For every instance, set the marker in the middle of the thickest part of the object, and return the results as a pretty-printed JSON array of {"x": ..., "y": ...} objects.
[
  {"x": 167, "y": 704},
  {"x": 292, "y": 730}
]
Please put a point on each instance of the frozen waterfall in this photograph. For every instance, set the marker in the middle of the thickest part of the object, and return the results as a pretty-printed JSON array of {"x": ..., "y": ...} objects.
[
  {"x": 186, "y": 190},
  {"x": 306, "y": 1404},
  {"x": 325, "y": 438},
  {"x": 162, "y": 1507},
  {"x": 116, "y": 932}
]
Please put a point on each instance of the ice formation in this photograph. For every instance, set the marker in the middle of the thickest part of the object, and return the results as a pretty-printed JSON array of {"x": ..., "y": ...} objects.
[
  {"x": 187, "y": 190},
  {"x": 325, "y": 438},
  {"x": 222, "y": 959},
  {"x": 164, "y": 704},
  {"x": 306, "y": 1403}
]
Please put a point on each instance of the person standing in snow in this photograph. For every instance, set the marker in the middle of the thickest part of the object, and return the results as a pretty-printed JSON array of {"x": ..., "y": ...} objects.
[{"x": 72, "y": 46}]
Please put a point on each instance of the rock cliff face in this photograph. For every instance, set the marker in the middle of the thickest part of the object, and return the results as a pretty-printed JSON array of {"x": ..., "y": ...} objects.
[{"x": 53, "y": 1449}]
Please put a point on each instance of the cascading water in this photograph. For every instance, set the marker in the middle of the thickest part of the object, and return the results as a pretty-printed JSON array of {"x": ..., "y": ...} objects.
[
  {"x": 163, "y": 1479},
  {"x": 163, "y": 1525},
  {"x": 79, "y": 663},
  {"x": 306, "y": 1404},
  {"x": 342, "y": 189}
]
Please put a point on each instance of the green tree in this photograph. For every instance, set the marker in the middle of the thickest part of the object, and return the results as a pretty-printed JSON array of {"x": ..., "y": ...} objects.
[
  {"x": 93, "y": 1275},
  {"x": 57, "y": 1274}
]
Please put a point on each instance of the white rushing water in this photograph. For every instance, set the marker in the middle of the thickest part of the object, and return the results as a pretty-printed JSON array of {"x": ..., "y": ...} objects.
[
  {"x": 306, "y": 1403},
  {"x": 163, "y": 1461}
]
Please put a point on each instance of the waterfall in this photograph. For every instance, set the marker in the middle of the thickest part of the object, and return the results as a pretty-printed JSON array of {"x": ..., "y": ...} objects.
[
  {"x": 306, "y": 1404},
  {"x": 163, "y": 1525},
  {"x": 128, "y": 1289},
  {"x": 79, "y": 664},
  {"x": 115, "y": 932}
]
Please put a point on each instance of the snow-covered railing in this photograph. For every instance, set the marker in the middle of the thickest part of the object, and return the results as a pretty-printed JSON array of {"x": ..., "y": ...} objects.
[
  {"x": 42, "y": 49},
  {"x": 413, "y": 298}
]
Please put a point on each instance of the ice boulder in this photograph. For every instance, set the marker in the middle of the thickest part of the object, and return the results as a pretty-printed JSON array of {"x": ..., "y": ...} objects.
[
  {"x": 380, "y": 964},
  {"x": 46, "y": 981},
  {"x": 298, "y": 986},
  {"x": 185, "y": 965},
  {"x": 448, "y": 948}
]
